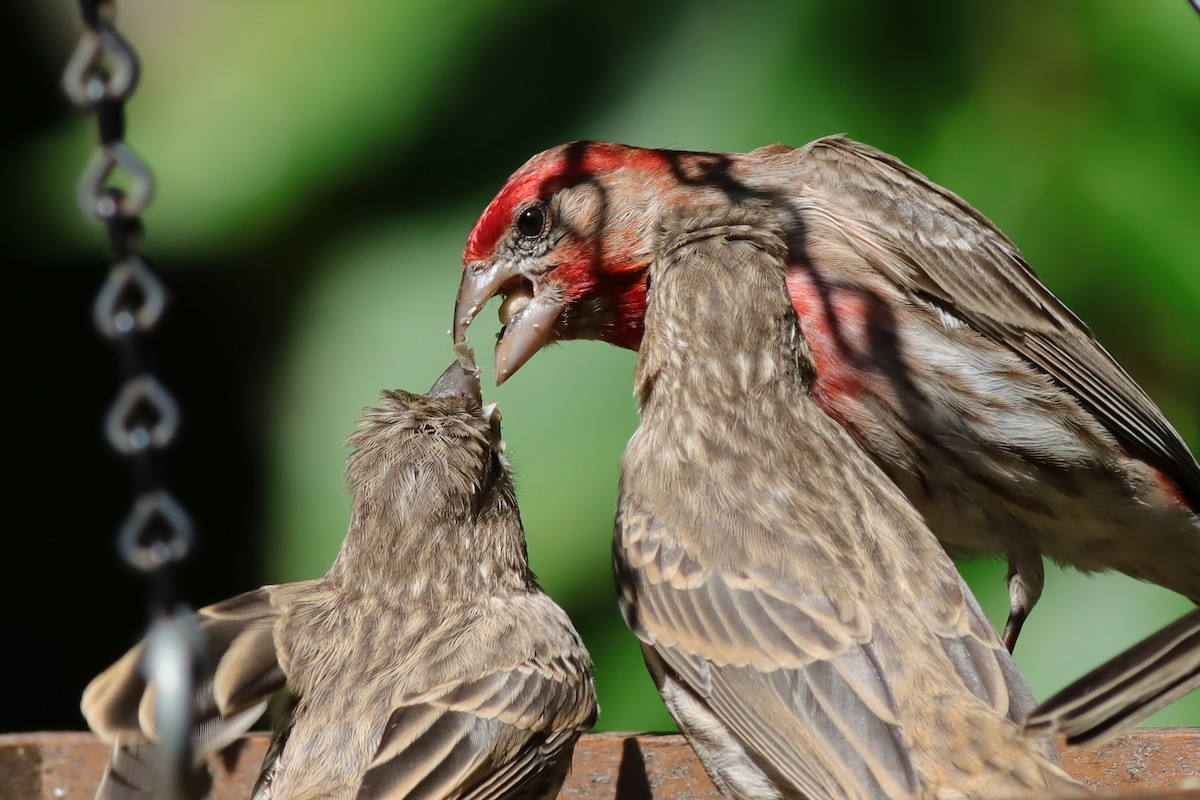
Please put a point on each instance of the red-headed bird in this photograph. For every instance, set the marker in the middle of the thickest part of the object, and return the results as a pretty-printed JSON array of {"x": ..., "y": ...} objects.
[{"x": 990, "y": 405}]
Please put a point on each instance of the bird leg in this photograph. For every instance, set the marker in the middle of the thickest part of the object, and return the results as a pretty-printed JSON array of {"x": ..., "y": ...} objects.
[{"x": 1026, "y": 577}]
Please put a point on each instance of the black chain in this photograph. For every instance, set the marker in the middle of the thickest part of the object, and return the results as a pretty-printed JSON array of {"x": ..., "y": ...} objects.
[{"x": 157, "y": 534}]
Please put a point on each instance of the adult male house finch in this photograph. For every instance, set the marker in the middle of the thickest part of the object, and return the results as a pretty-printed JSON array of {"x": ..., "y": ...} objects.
[
  {"x": 991, "y": 406},
  {"x": 803, "y": 625},
  {"x": 1127, "y": 688},
  {"x": 427, "y": 663}
]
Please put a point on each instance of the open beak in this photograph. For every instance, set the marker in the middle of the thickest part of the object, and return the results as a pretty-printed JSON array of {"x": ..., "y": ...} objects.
[{"x": 528, "y": 313}]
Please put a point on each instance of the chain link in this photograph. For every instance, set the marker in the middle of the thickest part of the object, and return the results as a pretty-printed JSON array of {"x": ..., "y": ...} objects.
[
  {"x": 156, "y": 535},
  {"x": 101, "y": 76}
]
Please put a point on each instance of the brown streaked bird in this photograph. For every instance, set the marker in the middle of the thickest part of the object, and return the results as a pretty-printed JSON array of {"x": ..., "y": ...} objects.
[
  {"x": 991, "y": 406},
  {"x": 1126, "y": 689},
  {"x": 804, "y": 627},
  {"x": 427, "y": 663}
]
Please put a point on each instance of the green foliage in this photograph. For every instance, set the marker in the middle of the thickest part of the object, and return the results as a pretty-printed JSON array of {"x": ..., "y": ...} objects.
[{"x": 353, "y": 146}]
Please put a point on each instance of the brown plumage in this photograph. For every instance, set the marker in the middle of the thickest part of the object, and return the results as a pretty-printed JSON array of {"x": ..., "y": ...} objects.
[
  {"x": 1127, "y": 688},
  {"x": 981, "y": 395},
  {"x": 803, "y": 625},
  {"x": 427, "y": 663}
]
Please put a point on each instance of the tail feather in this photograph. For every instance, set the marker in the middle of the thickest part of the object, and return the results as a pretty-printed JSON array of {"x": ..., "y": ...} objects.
[
  {"x": 133, "y": 774},
  {"x": 231, "y": 689},
  {"x": 1126, "y": 689}
]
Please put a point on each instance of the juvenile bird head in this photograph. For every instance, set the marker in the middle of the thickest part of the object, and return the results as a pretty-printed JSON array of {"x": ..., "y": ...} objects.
[
  {"x": 569, "y": 238},
  {"x": 436, "y": 456}
]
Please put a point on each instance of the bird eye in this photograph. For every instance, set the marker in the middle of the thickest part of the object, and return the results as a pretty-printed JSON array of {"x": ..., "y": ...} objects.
[{"x": 532, "y": 221}]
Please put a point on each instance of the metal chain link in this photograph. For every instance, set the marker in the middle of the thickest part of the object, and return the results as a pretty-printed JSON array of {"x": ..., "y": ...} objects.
[{"x": 157, "y": 534}]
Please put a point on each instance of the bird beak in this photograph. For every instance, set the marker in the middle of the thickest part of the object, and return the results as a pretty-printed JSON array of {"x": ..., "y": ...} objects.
[
  {"x": 458, "y": 381},
  {"x": 491, "y": 415},
  {"x": 529, "y": 312}
]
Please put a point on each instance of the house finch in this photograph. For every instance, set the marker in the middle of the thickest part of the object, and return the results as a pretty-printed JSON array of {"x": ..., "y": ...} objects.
[
  {"x": 803, "y": 625},
  {"x": 426, "y": 663},
  {"x": 982, "y": 397},
  {"x": 1126, "y": 689}
]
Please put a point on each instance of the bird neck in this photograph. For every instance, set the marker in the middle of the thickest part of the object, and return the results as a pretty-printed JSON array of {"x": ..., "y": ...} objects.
[
  {"x": 466, "y": 556},
  {"x": 746, "y": 362}
]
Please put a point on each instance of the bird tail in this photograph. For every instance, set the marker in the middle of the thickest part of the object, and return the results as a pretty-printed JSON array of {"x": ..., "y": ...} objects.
[
  {"x": 231, "y": 687},
  {"x": 1126, "y": 689},
  {"x": 134, "y": 774}
]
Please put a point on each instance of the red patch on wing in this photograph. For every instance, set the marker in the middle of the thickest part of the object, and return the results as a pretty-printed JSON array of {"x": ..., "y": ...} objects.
[
  {"x": 544, "y": 174},
  {"x": 1171, "y": 489},
  {"x": 835, "y": 320}
]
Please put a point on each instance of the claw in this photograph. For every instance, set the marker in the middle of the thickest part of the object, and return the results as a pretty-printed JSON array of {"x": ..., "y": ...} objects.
[
  {"x": 1012, "y": 630},
  {"x": 1026, "y": 576}
]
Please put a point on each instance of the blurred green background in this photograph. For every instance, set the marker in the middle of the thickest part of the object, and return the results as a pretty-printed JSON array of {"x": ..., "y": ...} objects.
[{"x": 320, "y": 165}]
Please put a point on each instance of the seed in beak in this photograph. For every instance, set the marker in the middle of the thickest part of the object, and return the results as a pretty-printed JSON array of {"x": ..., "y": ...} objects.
[{"x": 513, "y": 304}]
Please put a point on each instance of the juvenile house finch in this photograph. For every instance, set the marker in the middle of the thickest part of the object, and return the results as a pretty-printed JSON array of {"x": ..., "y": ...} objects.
[
  {"x": 427, "y": 663},
  {"x": 803, "y": 625},
  {"x": 1126, "y": 689},
  {"x": 983, "y": 397}
]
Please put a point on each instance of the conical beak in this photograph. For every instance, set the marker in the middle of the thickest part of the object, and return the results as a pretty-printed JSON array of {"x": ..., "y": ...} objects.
[
  {"x": 529, "y": 312},
  {"x": 458, "y": 381}
]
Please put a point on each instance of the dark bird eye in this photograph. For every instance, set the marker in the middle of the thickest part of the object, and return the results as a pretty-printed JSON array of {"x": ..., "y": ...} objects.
[{"x": 532, "y": 221}]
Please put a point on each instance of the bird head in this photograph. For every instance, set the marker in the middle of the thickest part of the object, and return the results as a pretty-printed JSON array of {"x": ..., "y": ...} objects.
[
  {"x": 568, "y": 241},
  {"x": 437, "y": 454}
]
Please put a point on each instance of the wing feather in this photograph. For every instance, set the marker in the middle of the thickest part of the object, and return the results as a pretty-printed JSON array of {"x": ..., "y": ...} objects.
[
  {"x": 232, "y": 687},
  {"x": 494, "y": 737},
  {"x": 1128, "y": 688},
  {"x": 932, "y": 243},
  {"x": 794, "y": 684}
]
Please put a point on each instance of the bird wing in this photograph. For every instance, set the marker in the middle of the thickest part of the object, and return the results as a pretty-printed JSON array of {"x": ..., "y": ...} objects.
[
  {"x": 232, "y": 685},
  {"x": 931, "y": 243},
  {"x": 1126, "y": 689},
  {"x": 240, "y": 673},
  {"x": 802, "y": 681},
  {"x": 793, "y": 677},
  {"x": 507, "y": 734}
]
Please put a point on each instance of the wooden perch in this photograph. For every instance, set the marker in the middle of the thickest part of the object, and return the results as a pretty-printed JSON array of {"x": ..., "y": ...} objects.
[{"x": 1148, "y": 763}]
